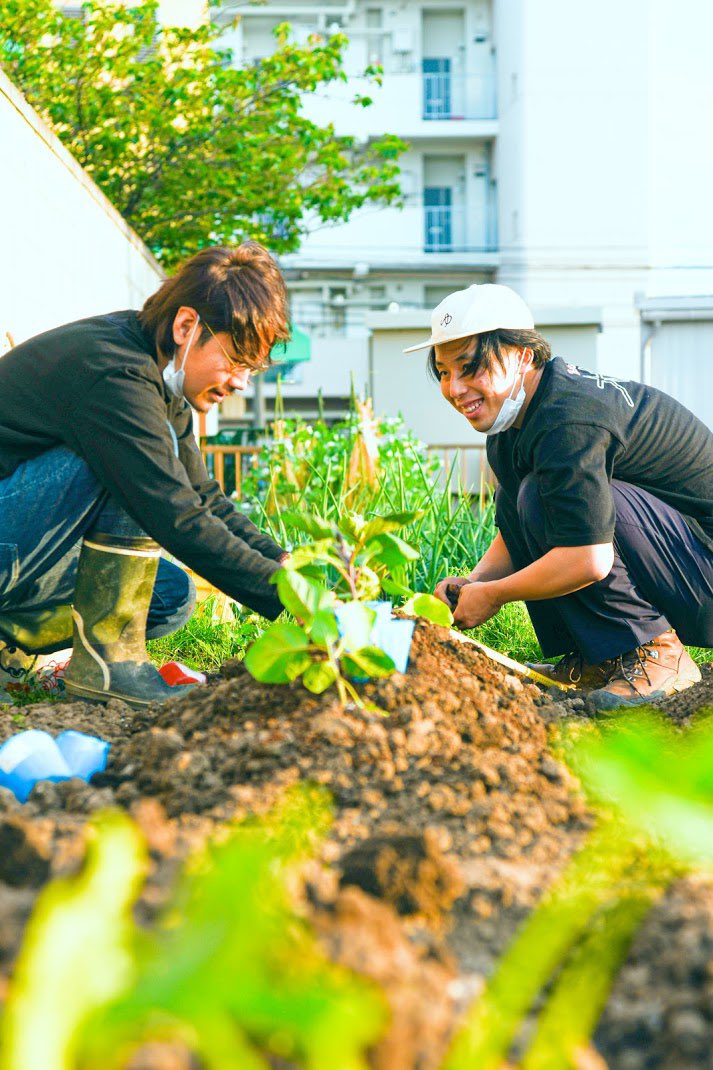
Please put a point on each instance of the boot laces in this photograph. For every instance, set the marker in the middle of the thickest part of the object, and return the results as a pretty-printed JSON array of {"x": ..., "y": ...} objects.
[
  {"x": 573, "y": 665},
  {"x": 632, "y": 665}
]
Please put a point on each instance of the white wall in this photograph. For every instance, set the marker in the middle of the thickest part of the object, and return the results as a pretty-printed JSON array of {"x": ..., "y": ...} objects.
[
  {"x": 680, "y": 151},
  {"x": 66, "y": 252},
  {"x": 603, "y": 166}
]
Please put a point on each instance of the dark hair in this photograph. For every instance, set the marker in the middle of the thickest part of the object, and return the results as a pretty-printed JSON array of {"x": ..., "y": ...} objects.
[
  {"x": 487, "y": 349},
  {"x": 239, "y": 290}
]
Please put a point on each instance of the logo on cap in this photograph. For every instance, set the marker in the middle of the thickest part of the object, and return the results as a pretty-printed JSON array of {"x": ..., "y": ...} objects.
[{"x": 446, "y": 319}]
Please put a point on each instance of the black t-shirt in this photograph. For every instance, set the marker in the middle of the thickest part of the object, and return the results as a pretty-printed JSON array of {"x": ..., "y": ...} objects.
[
  {"x": 95, "y": 386},
  {"x": 581, "y": 430}
]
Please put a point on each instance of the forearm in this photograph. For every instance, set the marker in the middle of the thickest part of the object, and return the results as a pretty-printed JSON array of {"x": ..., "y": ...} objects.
[
  {"x": 559, "y": 572},
  {"x": 495, "y": 563}
]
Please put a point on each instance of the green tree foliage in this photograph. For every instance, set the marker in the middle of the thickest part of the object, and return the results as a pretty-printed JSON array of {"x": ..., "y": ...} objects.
[{"x": 191, "y": 150}]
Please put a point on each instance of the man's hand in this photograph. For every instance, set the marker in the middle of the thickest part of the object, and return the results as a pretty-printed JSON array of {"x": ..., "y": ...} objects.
[
  {"x": 449, "y": 581},
  {"x": 478, "y": 602}
]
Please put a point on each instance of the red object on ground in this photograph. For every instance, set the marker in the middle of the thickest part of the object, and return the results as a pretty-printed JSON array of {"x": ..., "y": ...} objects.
[{"x": 174, "y": 673}]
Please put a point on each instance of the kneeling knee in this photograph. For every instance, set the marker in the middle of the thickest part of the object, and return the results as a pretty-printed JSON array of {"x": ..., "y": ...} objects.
[{"x": 173, "y": 601}]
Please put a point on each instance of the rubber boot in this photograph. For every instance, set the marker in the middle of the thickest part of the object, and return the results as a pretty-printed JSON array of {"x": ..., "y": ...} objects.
[
  {"x": 38, "y": 631},
  {"x": 115, "y": 579},
  {"x": 25, "y": 635}
]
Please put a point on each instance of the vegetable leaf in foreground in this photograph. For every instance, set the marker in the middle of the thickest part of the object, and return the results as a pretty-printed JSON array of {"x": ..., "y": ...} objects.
[
  {"x": 230, "y": 971},
  {"x": 76, "y": 954}
]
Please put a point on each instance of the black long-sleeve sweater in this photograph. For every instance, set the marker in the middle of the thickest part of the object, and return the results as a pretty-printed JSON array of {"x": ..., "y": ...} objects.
[{"x": 95, "y": 386}]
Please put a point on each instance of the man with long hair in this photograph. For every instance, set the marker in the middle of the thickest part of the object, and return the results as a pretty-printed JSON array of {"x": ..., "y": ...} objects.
[{"x": 99, "y": 469}]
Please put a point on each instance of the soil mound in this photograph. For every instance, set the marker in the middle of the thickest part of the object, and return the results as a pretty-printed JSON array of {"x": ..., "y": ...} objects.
[{"x": 451, "y": 818}]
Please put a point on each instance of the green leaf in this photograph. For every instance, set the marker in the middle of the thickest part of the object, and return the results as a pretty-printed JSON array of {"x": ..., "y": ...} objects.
[
  {"x": 300, "y": 596},
  {"x": 369, "y": 661},
  {"x": 660, "y": 780},
  {"x": 390, "y": 586},
  {"x": 355, "y": 623},
  {"x": 379, "y": 525},
  {"x": 323, "y": 629},
  {"x": 429, "y": 607},
  {"x": 391, "y": 550},
  {"x": 351, "y": 525},
  {"x": 296, "y": 664},
  {"x": 304, "y": 557},
  {"x": 314, "y": 526},
  {"x": 319, "y": 677},
  {"x": 269, "y": 656},
  {"x": 393, "y": 521},
  {"x": 76, "y": 952}
]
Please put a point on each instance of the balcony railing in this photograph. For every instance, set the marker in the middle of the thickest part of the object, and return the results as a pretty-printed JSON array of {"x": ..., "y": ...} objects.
[
  {"x": 446, "y": 230},
  {"x": 408, "y": 234},
  {"x": 453, "y": 96}
]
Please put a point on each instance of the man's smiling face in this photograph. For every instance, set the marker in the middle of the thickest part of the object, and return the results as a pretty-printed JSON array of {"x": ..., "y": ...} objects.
[{"x": 474, "y": 392}]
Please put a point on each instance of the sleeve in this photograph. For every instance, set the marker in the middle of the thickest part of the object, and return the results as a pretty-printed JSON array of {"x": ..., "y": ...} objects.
[
  {"x": 572, "y": 465},
  {"x": 217, "y": 502},
  {"x": 120, "y": 428}
]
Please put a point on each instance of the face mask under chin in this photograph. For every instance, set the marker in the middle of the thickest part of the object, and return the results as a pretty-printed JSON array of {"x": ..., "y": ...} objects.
[
  {"x": 510, "y": 408},
  {"x": 174, "y": 377}
]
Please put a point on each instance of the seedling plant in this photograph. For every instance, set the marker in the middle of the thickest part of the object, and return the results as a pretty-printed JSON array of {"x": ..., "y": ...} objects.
[{"x": 326, "y": 585}]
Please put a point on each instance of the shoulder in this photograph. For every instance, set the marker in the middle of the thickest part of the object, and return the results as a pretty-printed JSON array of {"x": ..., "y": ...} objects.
[{"x": 569, "y": 380}]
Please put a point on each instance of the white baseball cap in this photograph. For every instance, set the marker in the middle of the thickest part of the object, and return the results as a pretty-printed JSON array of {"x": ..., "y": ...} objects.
[{"x": 482, "y": 307}]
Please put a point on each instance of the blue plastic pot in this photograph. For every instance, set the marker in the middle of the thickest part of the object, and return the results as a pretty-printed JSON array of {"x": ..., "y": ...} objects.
[
  {"x": 34, "y": 755},
  {"x": 390, "y": 635}
]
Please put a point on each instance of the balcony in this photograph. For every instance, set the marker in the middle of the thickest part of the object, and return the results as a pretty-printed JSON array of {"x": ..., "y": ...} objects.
[
  {"x": 455, "y": 97},
  {"x": 416, "y": 236},
  {"x": 448, "y": 229},
  {"x": 413, "y": 104}
]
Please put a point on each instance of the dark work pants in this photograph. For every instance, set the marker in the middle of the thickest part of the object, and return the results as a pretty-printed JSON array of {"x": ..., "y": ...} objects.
[{"x": 662, "y": 577}]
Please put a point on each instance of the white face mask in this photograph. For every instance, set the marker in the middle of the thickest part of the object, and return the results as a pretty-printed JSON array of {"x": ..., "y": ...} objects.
[
  {"x": 511, "y": 406},
  {"x": 174, "y": 377}
]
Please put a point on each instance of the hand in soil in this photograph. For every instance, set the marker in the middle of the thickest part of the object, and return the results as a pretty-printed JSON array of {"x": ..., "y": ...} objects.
[
  {"x": 448, "y": 589},
  {"x": 477, "y": 603}
]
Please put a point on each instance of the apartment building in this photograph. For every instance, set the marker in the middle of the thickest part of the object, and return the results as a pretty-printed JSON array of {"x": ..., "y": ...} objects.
[
  {"x": 439, "y": 94},
  {"x": 554, "y": 147}
]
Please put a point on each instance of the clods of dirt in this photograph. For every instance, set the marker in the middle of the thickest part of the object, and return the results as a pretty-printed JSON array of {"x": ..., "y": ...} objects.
[{"x": 451, "y": 817}]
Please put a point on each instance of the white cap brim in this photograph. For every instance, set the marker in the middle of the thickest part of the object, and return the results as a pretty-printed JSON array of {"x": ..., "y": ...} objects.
[{"x": 432, "y": 342}]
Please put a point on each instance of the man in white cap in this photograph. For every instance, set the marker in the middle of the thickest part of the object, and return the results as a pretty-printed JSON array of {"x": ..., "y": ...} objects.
[{"x": 604, "y": 504}]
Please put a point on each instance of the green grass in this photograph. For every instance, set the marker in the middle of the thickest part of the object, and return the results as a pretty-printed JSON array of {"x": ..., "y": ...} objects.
[
  {"x": 203, "y": 644},
  {"x": 510, "y": 631}
]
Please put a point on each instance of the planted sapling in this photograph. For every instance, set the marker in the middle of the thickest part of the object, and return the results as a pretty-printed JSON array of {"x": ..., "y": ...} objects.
[{"x": 326, "y": 585}]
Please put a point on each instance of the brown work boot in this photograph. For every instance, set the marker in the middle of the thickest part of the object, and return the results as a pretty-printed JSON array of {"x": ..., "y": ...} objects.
[
  {"x": 649, "y": 672},
  {"x": 573, "y": 669}
]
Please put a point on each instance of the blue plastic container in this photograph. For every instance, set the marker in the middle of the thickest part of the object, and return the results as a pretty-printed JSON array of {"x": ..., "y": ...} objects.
[
  {"x": 388, "y": 634},
  {"x": 34, "y": 755}
]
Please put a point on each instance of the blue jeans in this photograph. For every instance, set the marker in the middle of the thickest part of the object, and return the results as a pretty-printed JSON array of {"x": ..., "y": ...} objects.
[{"x": 46, "y": 507}]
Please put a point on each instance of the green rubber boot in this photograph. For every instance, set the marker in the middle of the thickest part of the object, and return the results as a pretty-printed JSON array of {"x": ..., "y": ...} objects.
[
  {"x": 38, "y": 631},
  {"x": 115, "y": 579}
]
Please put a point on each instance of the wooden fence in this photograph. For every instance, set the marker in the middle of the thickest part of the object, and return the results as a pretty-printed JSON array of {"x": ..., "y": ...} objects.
[{"x": 467, "y": 465}]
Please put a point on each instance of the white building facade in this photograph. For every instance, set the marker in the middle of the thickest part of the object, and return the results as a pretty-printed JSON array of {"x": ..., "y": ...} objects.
[
  {"x": 558, "y": 148},
  {"x": 66, "y": 251}
]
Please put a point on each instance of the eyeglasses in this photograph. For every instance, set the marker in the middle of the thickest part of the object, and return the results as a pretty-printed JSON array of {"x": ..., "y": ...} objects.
[{"x": 233, "y": 361}]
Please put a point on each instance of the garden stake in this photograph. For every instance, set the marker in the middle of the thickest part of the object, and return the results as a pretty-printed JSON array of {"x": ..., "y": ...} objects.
[
  {"x": 510, "y": 663},
  {"x": 452, "y": 594}
]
